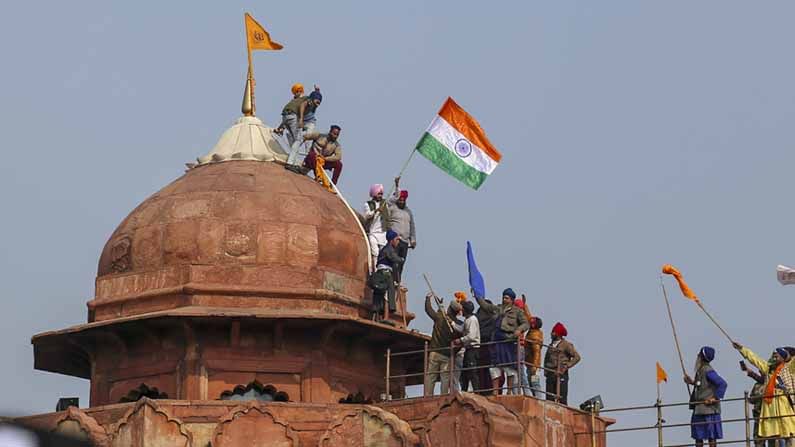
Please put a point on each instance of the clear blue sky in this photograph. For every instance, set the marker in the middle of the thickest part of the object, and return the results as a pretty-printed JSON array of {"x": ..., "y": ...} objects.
[{"x": 634, "y": 133}]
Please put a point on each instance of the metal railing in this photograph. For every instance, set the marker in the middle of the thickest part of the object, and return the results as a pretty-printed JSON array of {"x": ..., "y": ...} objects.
[
  {"x": 660, "y": 425},
  {"x": 748, "y": 418},
  {"x": 452, "y": 369}
]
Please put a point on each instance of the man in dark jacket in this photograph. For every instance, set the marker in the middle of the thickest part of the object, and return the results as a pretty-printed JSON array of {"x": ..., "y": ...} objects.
[
  {"x": 486, "y": 321},
  {"x": 383, "y": 280},
  {"x": 510, "y": 324}
]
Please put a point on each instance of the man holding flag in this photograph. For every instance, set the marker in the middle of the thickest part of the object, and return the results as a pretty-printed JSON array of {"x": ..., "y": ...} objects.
[{"x": 708, "y": 389}]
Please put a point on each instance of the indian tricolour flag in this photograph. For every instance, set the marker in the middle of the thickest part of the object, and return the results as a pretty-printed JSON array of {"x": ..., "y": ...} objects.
[{"x": 455, "y": 143}]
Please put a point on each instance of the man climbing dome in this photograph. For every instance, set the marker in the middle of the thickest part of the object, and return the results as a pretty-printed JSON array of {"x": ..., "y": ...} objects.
[
  {"x": 294, "y": 118},
  {"x": 325, "y": 154},
  {"x": 383, "y": 280}
]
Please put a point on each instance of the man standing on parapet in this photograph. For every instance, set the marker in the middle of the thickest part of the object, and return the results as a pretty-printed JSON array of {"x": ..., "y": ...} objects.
[
  {"x": 708, "y": 389},
  {"x": 561, "y": 357},
  {"x": 376, "y": 220},
  {"x": 777, "y": 418},
  {"x": 509, "y": 326},
  {"x": 401, "y": 220},
  {"x": 439, "y": 347}
]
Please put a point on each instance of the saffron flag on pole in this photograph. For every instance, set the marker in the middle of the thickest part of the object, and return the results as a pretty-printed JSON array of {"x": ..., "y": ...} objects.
[
  {"x": 668, "y": 269},
  {"x": 257, "y": 38},
  {"x": 455, "y": 143},
  {"x": 475, "y": 278},
  {"x": 662, "y": 376}
]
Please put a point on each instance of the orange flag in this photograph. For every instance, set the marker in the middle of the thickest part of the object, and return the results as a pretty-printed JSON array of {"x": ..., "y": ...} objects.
[
  {"x": 662, "y": 376},
  {"x": 257, "y": 38},
  {"x": 668, "y": 269}
]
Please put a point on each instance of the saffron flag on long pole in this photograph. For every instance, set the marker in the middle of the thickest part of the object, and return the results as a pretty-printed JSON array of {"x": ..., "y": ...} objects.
[
  {"x": 668, "y": 269},
  {"x": 475, "y": 278},
  {"x": 662, "y": 376},
  {"x": 457, "y": 144}
]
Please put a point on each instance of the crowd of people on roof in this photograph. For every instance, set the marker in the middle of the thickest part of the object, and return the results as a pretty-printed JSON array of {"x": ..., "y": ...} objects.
[{"x": 496, "y": 349}]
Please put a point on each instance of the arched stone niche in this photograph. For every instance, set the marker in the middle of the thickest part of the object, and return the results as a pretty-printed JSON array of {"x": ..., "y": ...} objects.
[
  {"x": 253, "y": 425},
  {"x": 368, "y": 426},
  {"x": 470, "y": 420},
  {"x": 147, "y": 424}
]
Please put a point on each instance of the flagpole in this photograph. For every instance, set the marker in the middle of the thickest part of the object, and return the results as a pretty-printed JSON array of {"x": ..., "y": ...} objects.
[
  {"x": 673, "y": 329},
  {"x": 250, "y": 78},
  {"x": 715, "y": 321}
]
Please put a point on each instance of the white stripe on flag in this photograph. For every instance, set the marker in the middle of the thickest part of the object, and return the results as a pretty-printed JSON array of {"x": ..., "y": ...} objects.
[{"x": 448, "y": 136}]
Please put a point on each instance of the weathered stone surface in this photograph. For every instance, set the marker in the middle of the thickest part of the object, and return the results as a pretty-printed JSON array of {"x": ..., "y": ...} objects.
[{"x": 255, "y": 426}]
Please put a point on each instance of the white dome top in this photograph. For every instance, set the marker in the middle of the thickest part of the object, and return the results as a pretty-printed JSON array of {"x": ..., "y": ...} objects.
[{"x": 248, "y": 139}]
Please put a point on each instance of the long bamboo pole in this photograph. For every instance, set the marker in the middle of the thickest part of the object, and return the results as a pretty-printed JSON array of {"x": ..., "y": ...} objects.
[{"x": 673, "y": 329}]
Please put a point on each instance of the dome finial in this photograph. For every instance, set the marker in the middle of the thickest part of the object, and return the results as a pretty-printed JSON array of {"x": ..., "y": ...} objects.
[{"x": 248, "y": 96}]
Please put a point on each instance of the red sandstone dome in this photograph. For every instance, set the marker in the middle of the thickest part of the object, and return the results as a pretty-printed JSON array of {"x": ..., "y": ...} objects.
[{"x": 245, "y": 227}]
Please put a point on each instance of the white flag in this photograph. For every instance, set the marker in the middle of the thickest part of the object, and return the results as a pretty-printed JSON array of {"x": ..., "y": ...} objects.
[{"x": 786, "y": 275}]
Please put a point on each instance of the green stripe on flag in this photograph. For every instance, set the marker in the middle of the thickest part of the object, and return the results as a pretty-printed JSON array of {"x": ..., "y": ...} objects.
[{"x": 449, "y": 162}]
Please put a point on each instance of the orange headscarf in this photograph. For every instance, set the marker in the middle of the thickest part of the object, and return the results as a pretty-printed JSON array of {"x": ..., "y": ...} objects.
[
  {"x": 460, "y": 296},
  {"x": 770, "y": 388},
  {"x": 668, "y": 269}
]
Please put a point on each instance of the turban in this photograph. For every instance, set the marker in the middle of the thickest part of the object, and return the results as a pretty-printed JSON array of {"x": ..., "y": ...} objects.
[
  {"x": 316, "y": 95},
  {"x": 376, "y": 189},
  {"x": 539, "y": 322},
  {"x": 783, "y": 353},
  {"x": 518, "y": 303},
  {"x": 391, "y": 234},
  {"x": 509, "y": 291},
  {"x": 297, "y": 88},
  {"x": 707, "y": 353},
  {"x": 560, "y": 330},
  {"x": 460, "y": 296},
  {"x": 404, "y": 194}
]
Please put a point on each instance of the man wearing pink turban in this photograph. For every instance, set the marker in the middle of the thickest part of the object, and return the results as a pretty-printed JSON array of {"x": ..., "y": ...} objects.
[{"x": 376, "y": 220}]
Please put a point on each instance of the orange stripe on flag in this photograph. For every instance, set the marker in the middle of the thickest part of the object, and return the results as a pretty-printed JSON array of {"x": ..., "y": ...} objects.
[
  {"x": 668, "y": 269},
  {"x": 468, "y": 127},
  {"x": 662, "y": 376}
]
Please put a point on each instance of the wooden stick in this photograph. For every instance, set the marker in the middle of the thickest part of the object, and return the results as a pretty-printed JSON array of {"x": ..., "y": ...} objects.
[
  {"x": 673, "y": 329},
  {"x": 714, "y": 321}
]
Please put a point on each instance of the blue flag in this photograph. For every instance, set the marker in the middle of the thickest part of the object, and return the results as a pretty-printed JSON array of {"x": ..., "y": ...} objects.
[{"x": 475, "y": 278}]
